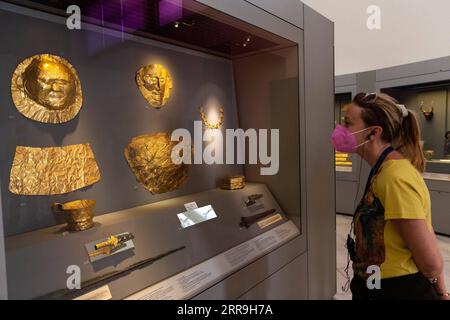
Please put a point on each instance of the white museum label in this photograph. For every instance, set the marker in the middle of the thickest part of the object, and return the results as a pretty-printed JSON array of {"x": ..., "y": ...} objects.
[{"x": 102, "y": 293}]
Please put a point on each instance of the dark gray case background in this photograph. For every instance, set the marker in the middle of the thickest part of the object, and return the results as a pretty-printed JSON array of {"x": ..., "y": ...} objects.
[{"x": 113, "y": 112}]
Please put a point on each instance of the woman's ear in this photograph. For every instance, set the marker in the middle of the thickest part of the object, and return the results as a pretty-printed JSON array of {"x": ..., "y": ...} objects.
[
  {"x": 371, "y": 135},
  {"x": 374, "y": 133}
]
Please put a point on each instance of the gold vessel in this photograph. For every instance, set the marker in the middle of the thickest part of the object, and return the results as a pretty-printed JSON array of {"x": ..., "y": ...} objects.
[{"x": 79, "y": 214}]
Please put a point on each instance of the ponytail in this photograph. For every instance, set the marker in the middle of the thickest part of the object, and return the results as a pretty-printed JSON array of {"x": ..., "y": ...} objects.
[
  {"x": 409, "y": 141},
  {"x": 400, "y": 126}
]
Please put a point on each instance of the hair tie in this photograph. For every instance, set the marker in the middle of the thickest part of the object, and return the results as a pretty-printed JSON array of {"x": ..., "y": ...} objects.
[{"x": 403, "y": 110}]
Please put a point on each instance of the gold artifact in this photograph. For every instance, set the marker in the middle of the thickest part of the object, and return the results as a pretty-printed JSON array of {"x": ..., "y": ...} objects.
[
  {"x": 149, "y": 157},
  {"x": 51, "y": 171},
  {"x": 155, "y": 84},
  {"x": 428, "y": 114},
  {"x": 248, "y": 221},
  {"x": 112, "y": 241},
  {"x": 207, "y": 123},
  {"x": 46, "y": 88},
  {"x": 79, "y": 214},
  {"x": 112, "y": 245},
  {"x": 233, "y": 183},
  {"x": 428, "y": 154}
]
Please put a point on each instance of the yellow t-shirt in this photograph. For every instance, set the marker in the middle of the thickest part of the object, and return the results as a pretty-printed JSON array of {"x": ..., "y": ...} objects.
[{"x": 404, "y": 195}]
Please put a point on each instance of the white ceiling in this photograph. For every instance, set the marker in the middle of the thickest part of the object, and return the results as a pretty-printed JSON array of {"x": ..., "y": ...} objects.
[{"x": 411, "y": 31}]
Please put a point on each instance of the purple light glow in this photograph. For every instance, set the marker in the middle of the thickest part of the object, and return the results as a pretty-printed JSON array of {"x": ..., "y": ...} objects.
[
  {"x": 130, "y": 15},
  {"x": 170, "y": 11}
]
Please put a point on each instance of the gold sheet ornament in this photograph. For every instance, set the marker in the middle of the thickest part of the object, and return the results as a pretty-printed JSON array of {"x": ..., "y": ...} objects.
[
  {"x": 52, "y": 171},
  {"x": 155, "y": 84},
  {"x": 46, "y": 88},
  {"x": 149, "y": 157}
]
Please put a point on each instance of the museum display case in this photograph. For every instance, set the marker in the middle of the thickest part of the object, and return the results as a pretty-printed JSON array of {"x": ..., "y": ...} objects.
[
  {"x": 344, "y": 161},
  {"x": 430, "y": 102},
  {"x": 156, "y": 151}
]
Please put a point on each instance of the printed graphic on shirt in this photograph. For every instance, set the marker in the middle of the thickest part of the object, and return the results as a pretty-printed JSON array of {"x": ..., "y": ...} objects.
[{"x": 369, "y": 232}]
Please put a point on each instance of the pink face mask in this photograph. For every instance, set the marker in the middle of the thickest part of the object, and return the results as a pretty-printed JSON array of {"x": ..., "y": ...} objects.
[{"x": 345, "y": 141}]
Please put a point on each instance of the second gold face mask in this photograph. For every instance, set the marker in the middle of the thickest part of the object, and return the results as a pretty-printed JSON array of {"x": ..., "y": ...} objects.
[
  {"x": 52, "y": 171},
  {"x": 155, "y": 84},
  {"x": 46, "y": 88}
]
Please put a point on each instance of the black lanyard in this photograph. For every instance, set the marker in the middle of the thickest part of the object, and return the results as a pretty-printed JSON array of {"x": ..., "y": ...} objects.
[{"x": 376, "y": 167}]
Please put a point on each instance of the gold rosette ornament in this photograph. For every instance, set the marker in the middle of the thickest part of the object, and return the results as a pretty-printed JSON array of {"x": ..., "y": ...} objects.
[
  {"x": 149, "y": 157},
  {"x": 46, "y": 88},
  {"x": 52, "y": 171},
  {"x": 155, "y": 84}
]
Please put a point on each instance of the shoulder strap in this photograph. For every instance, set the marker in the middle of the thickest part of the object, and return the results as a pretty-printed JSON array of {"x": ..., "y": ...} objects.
[{"x": 376, "y": 168}]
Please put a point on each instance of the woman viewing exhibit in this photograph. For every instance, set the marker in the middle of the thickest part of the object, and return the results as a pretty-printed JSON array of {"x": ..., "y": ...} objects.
[{"x": 391, "y": 229}]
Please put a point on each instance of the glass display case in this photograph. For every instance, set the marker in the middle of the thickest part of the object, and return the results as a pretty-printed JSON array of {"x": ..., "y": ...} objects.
[
  {"x": 89, "y": 184},
  {"x": 430, "y": 103},
  {"x": 344, "y": 161}
]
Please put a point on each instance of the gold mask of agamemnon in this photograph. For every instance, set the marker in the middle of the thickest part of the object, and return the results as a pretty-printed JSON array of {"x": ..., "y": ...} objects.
[
  {"x": 149, "y": 157},
  {"x": 52, "y": 171},
  {"x": 46, "y": 88},
  {"x": 155, "y": 84}
]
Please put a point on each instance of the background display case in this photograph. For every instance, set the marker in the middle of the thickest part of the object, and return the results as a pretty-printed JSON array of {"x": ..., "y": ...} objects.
[
  {"x": 241, "y": 56},
  {"x": 423, "y": 98},
  {"x": 348, "y": 166},
  {"x": 344, "y": 161}
]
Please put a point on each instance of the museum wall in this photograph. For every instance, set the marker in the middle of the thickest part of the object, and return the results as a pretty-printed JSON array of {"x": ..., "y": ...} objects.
[{"x": 113, "y": 112}]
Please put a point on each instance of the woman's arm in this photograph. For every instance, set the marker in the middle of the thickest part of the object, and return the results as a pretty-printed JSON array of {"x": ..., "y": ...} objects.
[
  {"x": 440, "y": 286},
  {"x": 423, "y": 246}
]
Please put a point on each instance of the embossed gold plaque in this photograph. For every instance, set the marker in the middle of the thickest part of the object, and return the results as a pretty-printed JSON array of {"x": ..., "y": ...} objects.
[
  {"x": 149, "y": 157},
  {"x": 51, "y": 171},
  {"x": 46, "y": 88},
  {"x": 155, "y": 84}
]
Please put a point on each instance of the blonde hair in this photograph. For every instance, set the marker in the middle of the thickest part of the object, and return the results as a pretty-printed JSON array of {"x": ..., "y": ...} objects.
[{"x": 399, "y": 129}]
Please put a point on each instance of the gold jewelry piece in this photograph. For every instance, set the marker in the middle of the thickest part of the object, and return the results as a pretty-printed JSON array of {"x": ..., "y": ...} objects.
[
  {"x": 155, "y": 84},
  {"x": 208, "y": 124},
  {"x": 51, "y": 171},
  {"x": 46, "y": 88},
  {"x": 149, "y": 157}
]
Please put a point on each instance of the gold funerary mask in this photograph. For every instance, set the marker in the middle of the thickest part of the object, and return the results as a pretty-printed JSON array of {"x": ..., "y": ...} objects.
[
  {"x": 52, "y": 171},
  {"x": 149, "y": 157},
  {"x": 155, "y": 84},
  {"x": 46, "y": 88}
]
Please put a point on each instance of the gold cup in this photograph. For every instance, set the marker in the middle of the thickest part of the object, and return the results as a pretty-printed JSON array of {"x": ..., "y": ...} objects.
[{"x": 79, "y": 214}]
